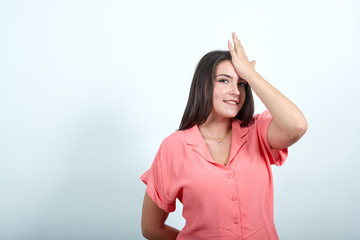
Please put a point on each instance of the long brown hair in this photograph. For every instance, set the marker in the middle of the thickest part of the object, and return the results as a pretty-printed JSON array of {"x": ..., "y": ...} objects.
[{"x": 199, "y": 104}]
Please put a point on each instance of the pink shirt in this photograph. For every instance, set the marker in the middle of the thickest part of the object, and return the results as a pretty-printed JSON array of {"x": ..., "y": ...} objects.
[{"x": 219, "y": 202}]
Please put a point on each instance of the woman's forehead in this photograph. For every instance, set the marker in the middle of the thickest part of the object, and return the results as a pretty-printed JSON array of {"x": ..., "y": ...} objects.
[{"x": 226, "y": 68}]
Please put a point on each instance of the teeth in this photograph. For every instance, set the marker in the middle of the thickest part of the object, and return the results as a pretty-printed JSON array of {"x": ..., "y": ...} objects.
[{"x": 232, "y": 102}]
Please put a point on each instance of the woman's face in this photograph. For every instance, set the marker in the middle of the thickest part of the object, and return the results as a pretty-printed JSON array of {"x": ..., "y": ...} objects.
[{"x": 228, "y": 92}]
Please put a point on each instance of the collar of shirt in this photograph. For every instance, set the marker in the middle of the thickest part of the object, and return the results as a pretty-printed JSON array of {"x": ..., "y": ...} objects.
[{"x": 193, "y": 137}]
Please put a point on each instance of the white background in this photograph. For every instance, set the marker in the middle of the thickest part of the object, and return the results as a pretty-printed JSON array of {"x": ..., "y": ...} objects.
[{"x": 89, "y": 89}]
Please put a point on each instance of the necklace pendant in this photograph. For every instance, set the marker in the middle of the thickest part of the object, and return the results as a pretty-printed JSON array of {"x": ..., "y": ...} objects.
[{"x": 220, "y": 143}]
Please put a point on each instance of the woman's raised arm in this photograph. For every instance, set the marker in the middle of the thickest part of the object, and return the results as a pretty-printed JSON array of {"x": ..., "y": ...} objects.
[{"x": 289, "y": 124}]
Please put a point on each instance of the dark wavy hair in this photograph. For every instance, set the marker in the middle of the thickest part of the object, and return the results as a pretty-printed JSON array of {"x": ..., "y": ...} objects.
[{"x": 199, "y": 104}]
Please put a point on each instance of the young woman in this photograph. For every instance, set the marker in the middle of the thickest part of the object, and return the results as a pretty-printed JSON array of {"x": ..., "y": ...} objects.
[{"x": 218, "y": 164}]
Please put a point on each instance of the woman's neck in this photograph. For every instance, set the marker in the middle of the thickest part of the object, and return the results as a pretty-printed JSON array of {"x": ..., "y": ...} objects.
[{"x": 215, "y": 127}]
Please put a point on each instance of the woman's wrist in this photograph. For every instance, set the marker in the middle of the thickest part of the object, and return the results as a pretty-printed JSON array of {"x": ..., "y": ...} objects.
[{"x": 250, "y": 76}]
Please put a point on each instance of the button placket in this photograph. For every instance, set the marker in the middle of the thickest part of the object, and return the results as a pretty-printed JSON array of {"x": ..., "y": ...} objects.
[{"x": 234, "y": 197}]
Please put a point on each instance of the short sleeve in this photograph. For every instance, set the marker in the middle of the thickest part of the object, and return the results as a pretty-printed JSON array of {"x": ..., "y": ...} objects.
[
  {"x": 160, "y": 182},
  {"x": 275, "y": 156}
]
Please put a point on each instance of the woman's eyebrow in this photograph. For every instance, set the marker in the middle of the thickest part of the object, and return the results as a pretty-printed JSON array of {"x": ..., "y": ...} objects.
[{"x": 225, "y": 75}]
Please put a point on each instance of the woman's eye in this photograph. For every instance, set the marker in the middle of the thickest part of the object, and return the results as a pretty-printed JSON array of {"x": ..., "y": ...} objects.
[
  {"x": 223, "y": 80},
  {"x": 241, "y": 84}
]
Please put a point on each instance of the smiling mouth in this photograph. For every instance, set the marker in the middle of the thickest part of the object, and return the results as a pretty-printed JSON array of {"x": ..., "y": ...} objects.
[{"x": 231, "y": 102}]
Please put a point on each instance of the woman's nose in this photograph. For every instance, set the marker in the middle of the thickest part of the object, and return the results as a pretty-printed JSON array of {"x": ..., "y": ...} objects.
[{"x": 234, "y": 89}]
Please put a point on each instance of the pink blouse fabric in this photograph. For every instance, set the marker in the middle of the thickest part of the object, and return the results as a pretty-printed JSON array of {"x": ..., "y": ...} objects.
[{"x": 219, "y": 202}]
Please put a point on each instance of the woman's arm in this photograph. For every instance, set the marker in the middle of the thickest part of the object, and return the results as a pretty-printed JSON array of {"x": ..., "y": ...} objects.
[
  {"x": 289, "y": 124},
  {"x": 153, "y": 222}
]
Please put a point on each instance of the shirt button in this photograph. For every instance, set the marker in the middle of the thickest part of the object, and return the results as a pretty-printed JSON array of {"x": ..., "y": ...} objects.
[
  {"x": 230, "y": 176},
  {"x": 236, "y": 221},
  {"x": 234, "y": 198}
]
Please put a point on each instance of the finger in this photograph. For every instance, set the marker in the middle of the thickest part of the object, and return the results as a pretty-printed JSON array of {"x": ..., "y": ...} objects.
[
  {"x": 231, "y": 48},
  {"x": 253, "y": 63},
  {"x": 233, "y": 36},
  {"x": 237, "y": 42}
]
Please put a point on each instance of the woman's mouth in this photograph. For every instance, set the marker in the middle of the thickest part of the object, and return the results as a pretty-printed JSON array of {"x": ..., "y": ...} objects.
[{"x": 232, "y": 102}]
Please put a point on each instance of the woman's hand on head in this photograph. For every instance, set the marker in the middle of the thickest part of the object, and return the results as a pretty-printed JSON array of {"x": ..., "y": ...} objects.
[
  {"x": 240, "y": 61},
  {"x": 289, "y": 124}
]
